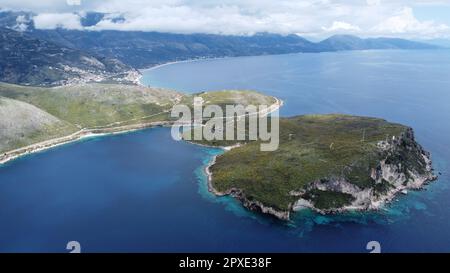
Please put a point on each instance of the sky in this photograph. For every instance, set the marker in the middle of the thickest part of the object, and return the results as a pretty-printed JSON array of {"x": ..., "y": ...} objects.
[{"x": 418, "y": 19}]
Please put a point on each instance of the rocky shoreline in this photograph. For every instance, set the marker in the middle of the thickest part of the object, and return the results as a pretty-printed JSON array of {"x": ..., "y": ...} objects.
[
  {"x": 400, "y": 179},
  {"x": 238, "y": 194}
]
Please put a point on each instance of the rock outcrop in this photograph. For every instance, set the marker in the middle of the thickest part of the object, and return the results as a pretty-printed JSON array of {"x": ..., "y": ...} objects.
[{"x": 404, "y": 165}]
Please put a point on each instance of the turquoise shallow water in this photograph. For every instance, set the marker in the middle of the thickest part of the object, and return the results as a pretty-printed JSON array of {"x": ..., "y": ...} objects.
[{"x": 143, "y": 191}]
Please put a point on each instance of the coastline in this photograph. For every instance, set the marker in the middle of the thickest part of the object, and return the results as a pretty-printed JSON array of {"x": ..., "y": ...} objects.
[
  {"x": 74, "y": 137},
  {"x": 183, "y": 61},
  {"x": 210, "y": 164},
  {"x": 138, "y": 79},
  {"x": 238, "y": 194}
]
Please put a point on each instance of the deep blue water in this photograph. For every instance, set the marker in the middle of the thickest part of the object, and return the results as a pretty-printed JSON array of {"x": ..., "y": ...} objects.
[{"x": 143, "y": 191}]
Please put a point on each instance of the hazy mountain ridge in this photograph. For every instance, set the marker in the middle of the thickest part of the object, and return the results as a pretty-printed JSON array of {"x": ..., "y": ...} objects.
[
  {"x": 350, "y": 42},
  {"x": 146, "y": 49}
]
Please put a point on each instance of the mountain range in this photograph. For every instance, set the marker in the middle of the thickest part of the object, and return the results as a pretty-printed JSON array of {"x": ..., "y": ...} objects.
[{"x": 59, "y": 56}]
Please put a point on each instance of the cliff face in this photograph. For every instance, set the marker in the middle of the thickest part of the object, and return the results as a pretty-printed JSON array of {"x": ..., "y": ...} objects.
[
  {"x": 403, "y": 165},
  {"x": 255, "y": 205}
]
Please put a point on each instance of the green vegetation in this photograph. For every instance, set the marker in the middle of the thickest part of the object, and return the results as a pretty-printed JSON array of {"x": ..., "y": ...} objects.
[
  {"x": 329, "y": 199},
  {"x": 312, "y": 147},
  {"x": 232, "y": 97},
  {"x": 382, "y": 188},
  {"x": 22, "y": 124}
]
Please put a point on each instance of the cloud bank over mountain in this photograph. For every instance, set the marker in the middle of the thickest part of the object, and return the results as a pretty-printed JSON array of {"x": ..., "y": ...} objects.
[{"x": 312, "y": 18}]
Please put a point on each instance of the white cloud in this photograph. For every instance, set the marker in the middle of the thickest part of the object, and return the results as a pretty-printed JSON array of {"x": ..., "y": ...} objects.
[
  {"x": 341, "y": 26},
  {"x": 313, "y": 18},
  {"x": 218, "y": 20},
  {"x": 373, "y": 2},
  {"x": 36, "y": 5},
  {"x": 404, "y": 22},
  {"x": 57, "y": 20}
]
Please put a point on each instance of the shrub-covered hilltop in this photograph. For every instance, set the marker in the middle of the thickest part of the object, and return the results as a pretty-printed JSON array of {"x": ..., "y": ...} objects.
[{"x": 329, "y": 163}]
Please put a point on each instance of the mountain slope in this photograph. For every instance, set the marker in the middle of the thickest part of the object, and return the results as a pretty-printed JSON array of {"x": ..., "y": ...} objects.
[
  {"x": 93, "y": 105},
  {"x": 31, "y": 61},
  {"x": 145, "y": 49},
  {"x": 22, "y": 124}
]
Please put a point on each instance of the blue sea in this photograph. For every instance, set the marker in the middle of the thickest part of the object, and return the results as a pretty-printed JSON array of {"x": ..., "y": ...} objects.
[{"x": 144, "y": 192}]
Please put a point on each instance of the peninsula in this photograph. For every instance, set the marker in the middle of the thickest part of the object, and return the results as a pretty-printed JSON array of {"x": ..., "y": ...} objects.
[{"x": 327, "y": 163}]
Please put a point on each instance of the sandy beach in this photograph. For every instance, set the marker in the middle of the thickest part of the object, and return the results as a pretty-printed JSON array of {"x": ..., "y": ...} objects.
[{"x": 184, "y": 61}]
